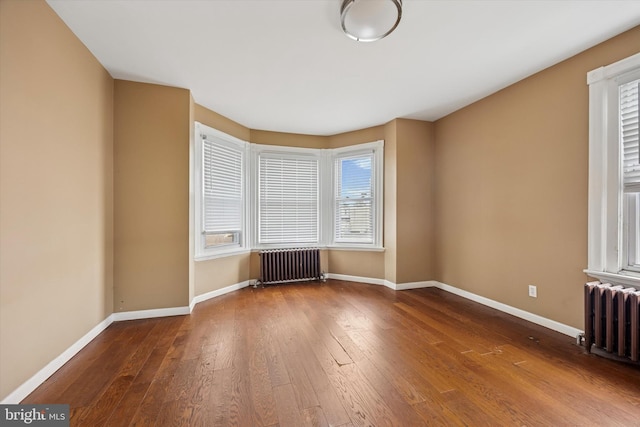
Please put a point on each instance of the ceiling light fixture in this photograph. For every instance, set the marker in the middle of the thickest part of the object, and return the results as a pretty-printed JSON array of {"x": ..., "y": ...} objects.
[{"x": 370, "y": 20}]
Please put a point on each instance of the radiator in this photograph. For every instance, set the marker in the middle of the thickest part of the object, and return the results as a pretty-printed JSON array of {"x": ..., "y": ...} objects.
[
  {"x": 289, "y": 265},
  {"x": 612, "y": 319}
]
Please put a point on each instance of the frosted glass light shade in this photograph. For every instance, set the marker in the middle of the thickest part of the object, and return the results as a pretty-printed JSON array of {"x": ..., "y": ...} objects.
[{"x": 370, "y": 20}]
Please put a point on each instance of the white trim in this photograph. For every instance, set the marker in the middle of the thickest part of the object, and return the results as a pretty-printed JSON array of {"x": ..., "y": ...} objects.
[
  {"x": 237, "y": 251},
  {"x": 35, "y": 381},
  {"x": 201, "y": 253},
  {"x": 607, "y": 255},
  {"x": 533, "y": 318},
  {"x": 616, "y": 279},
  {"x": 522, "y": 314},
  {"x": 613, "y": 70},
  {"x": 218, "y": 292},
  {"x": 354, "y": 248},
  {"x": 41, "y": 376},
  {"x": 150, "y": 314},
  {"x": 348, "y": 278},
  {"x": 415, "y": 285}
]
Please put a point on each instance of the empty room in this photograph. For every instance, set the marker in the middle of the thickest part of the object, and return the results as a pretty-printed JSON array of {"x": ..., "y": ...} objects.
[{"x": 319, "y": 212}]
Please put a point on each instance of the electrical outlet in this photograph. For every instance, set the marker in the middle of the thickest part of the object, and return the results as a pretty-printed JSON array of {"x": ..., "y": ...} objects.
[{"x": 533, "y": 291}]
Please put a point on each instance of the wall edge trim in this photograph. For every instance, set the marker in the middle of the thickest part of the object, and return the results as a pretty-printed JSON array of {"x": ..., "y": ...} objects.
[
  {"x": 43, "y": 374},
  {"x": 50, "y": 368},
  {"x": 517, "y": 312},
  {"x": 359, "y": 279},
  {"x": 522, "y": 314},
  {"x": 216, "y": 293},
  {"x": 150, "y": 314}
]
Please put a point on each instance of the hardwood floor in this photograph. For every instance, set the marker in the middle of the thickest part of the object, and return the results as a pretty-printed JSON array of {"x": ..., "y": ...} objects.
[{"x": 341, "y": 354}]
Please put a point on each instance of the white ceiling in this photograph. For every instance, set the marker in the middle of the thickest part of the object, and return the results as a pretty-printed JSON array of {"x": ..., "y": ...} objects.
[{"x": 285, "y": 65}]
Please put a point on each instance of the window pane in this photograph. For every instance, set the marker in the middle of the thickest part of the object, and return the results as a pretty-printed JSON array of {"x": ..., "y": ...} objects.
[
  {"x": 221, "y": 239},
  {"x": 288, "y": 199},
  {"x": 632, "y": 228},
  {"x": 354, "y": 199},
  {"x": 629, "y": 127},
  {"x": 222, "y": 182}
]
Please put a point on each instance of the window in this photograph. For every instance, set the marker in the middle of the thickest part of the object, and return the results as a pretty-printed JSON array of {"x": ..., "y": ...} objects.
[
  {"x": 252, "y": 196},
  {"x": 353, "y": 207},
  {"x": 614, "y": 173},
  {"x": 221, "y": 186},
  {"x": 288, "y": 199}
]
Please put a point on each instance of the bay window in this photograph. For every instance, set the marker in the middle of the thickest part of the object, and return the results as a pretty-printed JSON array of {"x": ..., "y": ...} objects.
[{"x": 253, "y": 196}]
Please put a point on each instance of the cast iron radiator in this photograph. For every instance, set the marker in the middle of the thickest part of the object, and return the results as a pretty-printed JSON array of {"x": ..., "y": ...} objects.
[
  {"x": 612, "y": 319},
  {"x": 289, "y": 265}
]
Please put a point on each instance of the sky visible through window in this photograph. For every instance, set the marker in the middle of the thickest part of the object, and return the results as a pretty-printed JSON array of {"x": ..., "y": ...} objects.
[{"x": 356, "y": 178}]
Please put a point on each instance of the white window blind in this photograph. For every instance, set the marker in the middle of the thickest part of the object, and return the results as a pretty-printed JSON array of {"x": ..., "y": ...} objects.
[
  {"x": 629, "y": 121},
  {"x": 222, "y": 190},
  {"x": 354, "y": 199},
  {"x": 288, "y": 199}
]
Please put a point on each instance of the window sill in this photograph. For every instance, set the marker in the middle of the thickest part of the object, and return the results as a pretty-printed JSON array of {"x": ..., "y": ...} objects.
[
  {"x": 615, "y": 278},
  {"x": 324, "y": 248},
  {"x": 207, "y": 257},
  {"x": 356, "y": 248}
]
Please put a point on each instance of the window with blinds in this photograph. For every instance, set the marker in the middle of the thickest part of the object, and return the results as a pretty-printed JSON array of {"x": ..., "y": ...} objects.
[
  {"x": 629, "y": 136},
  {"x": 288, "y": 199},
  {"x": 629, "y": 121},
  {"x": 222, "y": 191},
  {"x": 354, "y": 199}
]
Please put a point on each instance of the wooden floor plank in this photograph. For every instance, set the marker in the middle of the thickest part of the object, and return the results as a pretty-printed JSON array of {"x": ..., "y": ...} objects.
[{"x": 340, "y": 354}]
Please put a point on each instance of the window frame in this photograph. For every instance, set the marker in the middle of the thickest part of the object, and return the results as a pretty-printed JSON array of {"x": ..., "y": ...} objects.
[
  {"x": 376, "y": 148},
  {"x": 608, "y": 228},
  {"x": 257, "y": 150},
  {"x": 202, "y": 133},
  {"x": 326, "y": 194}
]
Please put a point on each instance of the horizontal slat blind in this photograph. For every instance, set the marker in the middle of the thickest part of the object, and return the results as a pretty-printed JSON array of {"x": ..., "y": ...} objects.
[
  {"x": 629, "y": 121},
  {"x": 354, "y": 199},
  {"x": 288, "y": 199},
  {"x": 222, "y": 184}
]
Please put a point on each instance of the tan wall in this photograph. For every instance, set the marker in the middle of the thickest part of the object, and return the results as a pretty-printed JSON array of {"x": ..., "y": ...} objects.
[
  {"x": 357, "y": 263},
  {"x": 151, "y": 187},
  {"x": 361, "y": 136},
  {"x": 511, "y": 200},
  {"x": 220, "y": 122},
  {"x": 219, "y": 273},
  {"x": 288, "y": 139},
  {"x": 414, "y": 199},
  {"x": 56, "y": 221}
]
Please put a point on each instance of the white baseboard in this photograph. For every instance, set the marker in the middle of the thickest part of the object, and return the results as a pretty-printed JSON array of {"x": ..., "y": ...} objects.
[
  {"x": 415, "y": 285},
  {"x": 383, "y": 282},
  {"x": 41, "y": 376},
  {"x": 533, "y": 318},
  {"x": 358, "y": 279},
  {"x": 32, "y": 383},
  {"x": 150, "y": 314},
  {"x": 212, "y": 294},
  {"x": 522, "y": 314}
]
